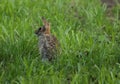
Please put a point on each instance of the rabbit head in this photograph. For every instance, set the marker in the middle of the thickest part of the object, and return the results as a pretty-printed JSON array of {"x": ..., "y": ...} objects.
[{"x": 45, "y": 29}]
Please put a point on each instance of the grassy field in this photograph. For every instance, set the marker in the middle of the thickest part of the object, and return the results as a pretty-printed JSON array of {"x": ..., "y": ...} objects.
[{"x": 90, "y": 42}]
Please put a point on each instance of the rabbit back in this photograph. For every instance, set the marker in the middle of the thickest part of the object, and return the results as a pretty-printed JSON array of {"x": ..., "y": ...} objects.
[{"x": 48, "y": 45}]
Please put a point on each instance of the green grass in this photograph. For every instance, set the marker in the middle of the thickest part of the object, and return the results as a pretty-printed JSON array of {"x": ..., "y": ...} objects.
[{"x": 90, "y": 42}]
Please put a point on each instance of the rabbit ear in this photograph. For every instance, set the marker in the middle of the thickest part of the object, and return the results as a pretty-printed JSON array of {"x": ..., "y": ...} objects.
[
  {"x": 47, "y": 25},
  {"x": 45, "y": 22}
]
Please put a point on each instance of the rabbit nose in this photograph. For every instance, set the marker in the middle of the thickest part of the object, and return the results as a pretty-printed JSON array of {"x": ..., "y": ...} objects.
[{"x": 36, "y": 32}]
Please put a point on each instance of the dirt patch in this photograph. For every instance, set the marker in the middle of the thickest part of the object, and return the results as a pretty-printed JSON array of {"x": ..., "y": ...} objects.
[
  {"x": 109, "y": 3},
  {"x": 110, "y": 7}
]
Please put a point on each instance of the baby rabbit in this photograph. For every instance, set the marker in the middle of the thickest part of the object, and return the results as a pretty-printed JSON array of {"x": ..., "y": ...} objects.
[{"x": 48, "y": 43}]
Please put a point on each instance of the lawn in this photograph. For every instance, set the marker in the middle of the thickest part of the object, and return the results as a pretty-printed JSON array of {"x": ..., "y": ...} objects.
[{"x": 88, "y": 32}]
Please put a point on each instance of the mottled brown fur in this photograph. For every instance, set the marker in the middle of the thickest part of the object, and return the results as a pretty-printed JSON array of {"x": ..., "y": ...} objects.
[{"x": 48, "y": 43}]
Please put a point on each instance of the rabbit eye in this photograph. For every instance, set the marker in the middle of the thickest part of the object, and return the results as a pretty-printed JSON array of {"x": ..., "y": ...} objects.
[{"x": 39, "y": 28}]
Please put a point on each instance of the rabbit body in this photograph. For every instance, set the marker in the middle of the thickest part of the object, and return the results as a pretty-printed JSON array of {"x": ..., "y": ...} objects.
[
  {"x": 47, "y": 43},
  {"x": 47, "y": 46}
]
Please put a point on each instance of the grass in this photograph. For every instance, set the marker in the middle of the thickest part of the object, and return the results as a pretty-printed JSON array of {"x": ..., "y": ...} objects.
[{"x": 90, "y": 42}]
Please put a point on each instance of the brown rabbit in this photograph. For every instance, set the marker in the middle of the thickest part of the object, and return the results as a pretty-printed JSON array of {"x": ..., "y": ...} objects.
[{"x": 47, "y": 43}]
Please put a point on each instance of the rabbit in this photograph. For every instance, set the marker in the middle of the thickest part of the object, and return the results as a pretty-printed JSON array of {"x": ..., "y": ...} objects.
[{"x": 48, "y": 43}]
